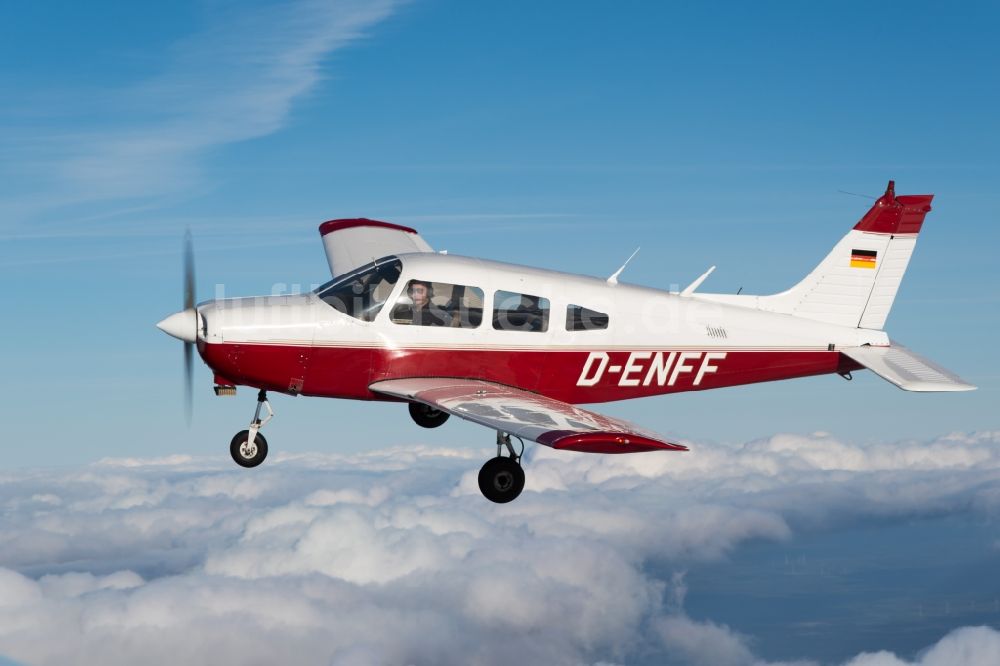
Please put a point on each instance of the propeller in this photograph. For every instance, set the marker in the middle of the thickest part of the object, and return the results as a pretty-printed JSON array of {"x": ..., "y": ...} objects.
[
  {"x": 189, "y": 302},
  {"x": 183, "y": 325}
]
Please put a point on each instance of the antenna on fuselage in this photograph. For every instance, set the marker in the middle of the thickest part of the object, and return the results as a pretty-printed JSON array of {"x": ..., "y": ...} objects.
[
  {"x": 688, "y": 290},
  {"x": 614, "y": 277}
]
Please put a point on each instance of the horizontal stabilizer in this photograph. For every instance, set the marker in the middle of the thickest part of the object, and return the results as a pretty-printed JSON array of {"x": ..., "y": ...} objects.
[
  {"x": 359, "y": 241},
  {"x": 526, "y": 415},
  {"x": 905, "y": 369}
]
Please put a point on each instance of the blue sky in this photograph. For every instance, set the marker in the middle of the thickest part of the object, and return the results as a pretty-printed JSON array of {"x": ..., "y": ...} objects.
[{"x": 557, "y": 134}]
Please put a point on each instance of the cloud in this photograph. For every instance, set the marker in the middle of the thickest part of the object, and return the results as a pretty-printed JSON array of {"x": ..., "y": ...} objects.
[
  {"x": 709, "y": 644},
  {"x": 393, "y": 557},
  {"x": 704, "y": 642},
  {"x": 234, "y": 80},
  {"x": 970, "y": 646}
]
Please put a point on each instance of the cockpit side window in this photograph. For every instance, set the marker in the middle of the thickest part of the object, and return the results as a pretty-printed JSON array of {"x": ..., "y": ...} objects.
[
  {"x": 579, "y": 318},
  {"x": 425, "y": 303},
  {"x": 520, "y": 312},
  {"x": 362, "y": 292}
]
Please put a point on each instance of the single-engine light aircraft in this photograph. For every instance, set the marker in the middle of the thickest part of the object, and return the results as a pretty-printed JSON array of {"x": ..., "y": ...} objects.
[{"x": 516, "y": 349}]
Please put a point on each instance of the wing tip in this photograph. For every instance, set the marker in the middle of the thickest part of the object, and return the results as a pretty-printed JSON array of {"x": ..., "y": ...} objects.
[{"x": 604, "y": 442}]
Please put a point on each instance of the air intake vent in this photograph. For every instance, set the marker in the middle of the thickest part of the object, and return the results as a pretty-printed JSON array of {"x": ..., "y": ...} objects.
[{"x": 716, "y": 332}]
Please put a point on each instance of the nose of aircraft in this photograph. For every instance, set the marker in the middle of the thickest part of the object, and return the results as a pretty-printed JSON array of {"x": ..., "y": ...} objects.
[{"x": 182, "y": 325}]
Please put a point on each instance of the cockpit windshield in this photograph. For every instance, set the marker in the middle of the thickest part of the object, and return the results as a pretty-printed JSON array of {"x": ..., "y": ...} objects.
[{"x": 362, "y": 292}]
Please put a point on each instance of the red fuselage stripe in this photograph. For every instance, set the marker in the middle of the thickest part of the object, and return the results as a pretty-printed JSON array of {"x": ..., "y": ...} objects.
[{"x": 575, "y": 376}]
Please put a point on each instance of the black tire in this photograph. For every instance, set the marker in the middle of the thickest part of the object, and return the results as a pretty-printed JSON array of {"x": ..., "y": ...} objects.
[
  {"x": 501, "y": 480},
  {"x": 426, "y": 416},
  {"x": 237, "y": 451}
]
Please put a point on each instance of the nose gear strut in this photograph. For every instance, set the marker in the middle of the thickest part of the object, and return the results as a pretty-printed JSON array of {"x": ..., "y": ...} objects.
[{"x": 249, "y": 448}]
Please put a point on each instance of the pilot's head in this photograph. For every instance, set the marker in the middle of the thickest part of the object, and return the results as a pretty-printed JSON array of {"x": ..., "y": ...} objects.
[{"x": 420, "y": 293}]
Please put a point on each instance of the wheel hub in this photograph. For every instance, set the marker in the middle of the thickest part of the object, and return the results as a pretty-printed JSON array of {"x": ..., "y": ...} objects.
[
  {"x": 248, "y": 450},
  {"x": 503, "y": 481}
]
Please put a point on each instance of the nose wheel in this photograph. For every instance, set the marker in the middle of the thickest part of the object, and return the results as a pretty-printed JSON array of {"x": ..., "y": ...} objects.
[
  {"x": 248, "y": 453},
  {"x": 501, "y": 479},
  {"x": 248, "y": 447}
]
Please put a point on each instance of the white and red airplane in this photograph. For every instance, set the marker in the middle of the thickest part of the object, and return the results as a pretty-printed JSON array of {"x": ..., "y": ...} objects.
[{"x": 516, "y": 348}]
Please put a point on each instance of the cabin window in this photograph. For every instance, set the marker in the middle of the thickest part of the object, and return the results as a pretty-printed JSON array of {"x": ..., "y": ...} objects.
[
  {"x": 520, "y": 312},
  {"x": 361, "y": 293},
  {"x": 425, "y": 303},
  {"x": 579, "y": 318}
]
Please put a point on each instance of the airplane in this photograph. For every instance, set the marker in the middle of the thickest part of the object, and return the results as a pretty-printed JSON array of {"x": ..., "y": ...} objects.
[{"x": 516, "y": 349}]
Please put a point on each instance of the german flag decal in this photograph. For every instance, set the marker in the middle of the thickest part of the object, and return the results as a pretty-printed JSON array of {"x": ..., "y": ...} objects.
[{"x": 863, "y": 258}]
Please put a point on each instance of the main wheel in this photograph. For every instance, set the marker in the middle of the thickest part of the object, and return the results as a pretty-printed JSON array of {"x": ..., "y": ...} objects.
[
  {"x": 426, "y": 416},
  {"x": 501, "y": 479},
  {"x": 245, "y": 453}
]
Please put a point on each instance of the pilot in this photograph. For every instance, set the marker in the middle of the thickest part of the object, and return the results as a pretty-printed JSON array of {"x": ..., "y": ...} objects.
[
  {"x": 531, "y": 310},
  {"x": 425, "y": 313}
]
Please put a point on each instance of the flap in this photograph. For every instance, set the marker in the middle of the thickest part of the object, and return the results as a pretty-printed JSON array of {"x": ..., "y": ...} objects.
[
  {"x": 906, "y": 369},
  {"x": 526, "y": 415},
  {"x": 356, "y": 242}
]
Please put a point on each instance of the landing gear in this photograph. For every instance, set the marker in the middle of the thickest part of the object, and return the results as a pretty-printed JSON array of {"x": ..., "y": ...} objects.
[
  {"x": 501, "y": 479},
  {"x": 245, "y": 452},
  {"x": 426, "y": 416},
  {"x": 249, "y": 448}
]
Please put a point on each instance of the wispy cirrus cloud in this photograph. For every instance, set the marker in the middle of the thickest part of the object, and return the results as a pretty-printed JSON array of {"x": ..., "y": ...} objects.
[
  {"x": 236, "y": 79},
  {"x": 393, "y": 557}
]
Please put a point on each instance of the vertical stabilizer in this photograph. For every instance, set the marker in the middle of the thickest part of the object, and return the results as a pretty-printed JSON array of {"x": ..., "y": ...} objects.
[{"x": 857, "y": 282}]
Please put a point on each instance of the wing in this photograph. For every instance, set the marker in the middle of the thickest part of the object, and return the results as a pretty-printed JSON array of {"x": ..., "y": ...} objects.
[
  {"x": 526, "y": 415},
  {"x": 356, "y": 242},
  {"x": 905, "y": 369}
]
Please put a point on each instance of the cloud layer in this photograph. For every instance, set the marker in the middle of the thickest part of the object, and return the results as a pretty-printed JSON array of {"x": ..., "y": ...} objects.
[{"x": 393, "y": 557}]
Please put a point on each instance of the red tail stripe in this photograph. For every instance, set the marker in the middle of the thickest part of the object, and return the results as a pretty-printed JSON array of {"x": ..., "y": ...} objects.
[{"x": 896, "y": 215}]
